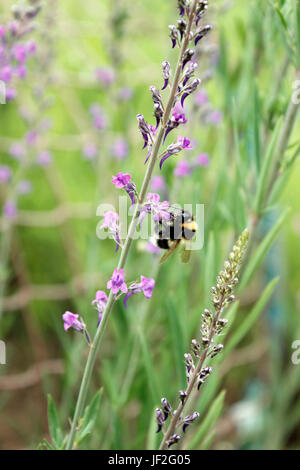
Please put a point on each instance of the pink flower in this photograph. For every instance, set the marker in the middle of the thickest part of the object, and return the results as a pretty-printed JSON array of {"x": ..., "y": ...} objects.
[
  {"x": 31, "y": 47},
  {"x": 117, "y": 282},
  {"x": 105, "y": 76},
  {"x": 201, "y": 97},
  {"x": 121, "y": 180},
  {"x": 10, "y": 210},
  {"x": 183, "y": 169},
  {"x": 90, "y": 150},
  {"x": 5, "y": 174},
  {"x": 158, "y": 183},
  {"x": 18, "y": 151},
  {"x": 20, "y": 52},
  {"x": 202, "y": 160},
  {"x": 44, "y": 158},
  {"x": 146, "y": 286},
  {"x": 24, "y": 187},
  {"x": 6, "y": 73},
  {"x": 71, "y": 321},
  {"x": 120, "y": 148},
  {"x": 100, "y": 302},
  {"x": 110, "y": 222}
]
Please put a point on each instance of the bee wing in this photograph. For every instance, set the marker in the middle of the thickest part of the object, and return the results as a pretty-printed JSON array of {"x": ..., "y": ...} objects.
[
  {"x": 170, "y": 251},
  {"x": 186, "y": 252}
]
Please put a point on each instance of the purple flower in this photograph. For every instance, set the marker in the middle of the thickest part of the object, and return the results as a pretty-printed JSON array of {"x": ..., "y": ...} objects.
[
  {"x": 99, "y": 119},
  {"x": 117, "y": 282},
  {"x": 100, "y": 302},
  {"x": 71, "y": 321},
  {"x": 90, "y": 150},
  {"x": 10, "y": 94},
  {"x": 126, "y": 93},
  {"x": 2, "y": 31},
  {"x": 24, "y": 187},
  {"x": 44, "y": 158},
  {"x": 159, "y": 210},
  {"x": 5, "y": 174},
  {"x": 146, "y": 286},
  {"x": 111, "y": 222},
  {"x": 202, "y": 160},
  {"x": 6, "y": 73},
  {"x": 201, "y": 97},
  {"x": 10, "y": 210},
  {"x": 31, "y": 137},
  {"x": 144, "y": 129},
  {"x": 166, "y": 73},
  {"x": 158, "y": 183},
  {"x": 152, "y": 248},
  {"x": 21, "y": 71},
  {"x": 215, "y": 117},
  {"x": 20, "y": 53},
  {"x": 31, "y": 47},
  {"x": 105, "y": 76},
  {"x": 182, "y": 143},
  {"x": 121, "y": 180},
  {"x": 183, "y": 169},
  {"x": 189, "y": 89},
  {"x": 18, "y": 151},
  {"x": 175, "y": 121},
  {"x": 120, "y": 148}
]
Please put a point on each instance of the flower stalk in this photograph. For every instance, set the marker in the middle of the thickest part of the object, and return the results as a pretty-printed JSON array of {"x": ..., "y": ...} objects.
[
  {"x": 157, "y": 141},
  {"x": 212, "y": 326}
]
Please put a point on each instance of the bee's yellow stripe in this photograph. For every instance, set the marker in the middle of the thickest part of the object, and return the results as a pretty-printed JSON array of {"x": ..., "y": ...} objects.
[{"x": 191, "y": 226}]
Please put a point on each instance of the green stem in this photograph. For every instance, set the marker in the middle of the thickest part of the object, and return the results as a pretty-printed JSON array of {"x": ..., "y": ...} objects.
[{"x": 81, "y": 400}]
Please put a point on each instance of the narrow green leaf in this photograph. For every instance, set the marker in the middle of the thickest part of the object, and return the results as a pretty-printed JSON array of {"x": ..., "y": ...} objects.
[
  {"x": 258, "y": 256},
  {"x": 177, "y": 339},
  {"x": 89, "y": 417},
  {"x": 266, "y": 169},
  {"x": 209, "y": 421},
  {"x": 251, "y": 317},
  {"x": 150, "y": 369},
  {"x": 54, "y": 426}
]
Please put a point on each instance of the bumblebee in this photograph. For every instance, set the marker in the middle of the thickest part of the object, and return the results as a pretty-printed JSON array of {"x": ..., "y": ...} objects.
[{"x": 179, "y": 231}]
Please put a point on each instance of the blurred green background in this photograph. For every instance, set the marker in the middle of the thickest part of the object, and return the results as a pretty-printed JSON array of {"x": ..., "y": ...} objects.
[{"x": 56, "y": 263}]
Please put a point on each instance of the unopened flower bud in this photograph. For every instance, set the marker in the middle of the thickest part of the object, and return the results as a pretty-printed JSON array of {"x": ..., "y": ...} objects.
[
  {"x": 216, "y": 349},
  {"x": 173, "y": 439},
  {"x": 173, "y": 35},
  {"x": 189, "y": 420}
]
